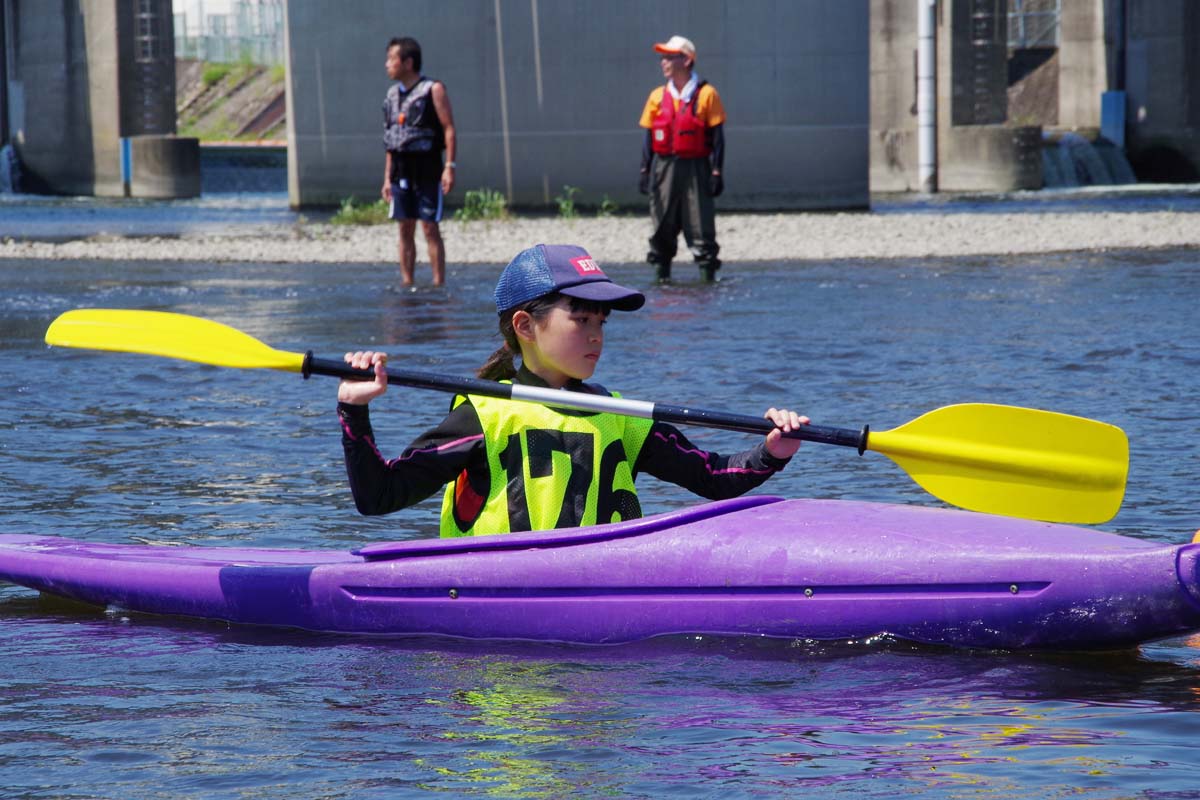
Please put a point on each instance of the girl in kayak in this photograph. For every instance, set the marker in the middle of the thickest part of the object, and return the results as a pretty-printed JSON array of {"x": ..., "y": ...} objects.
[{"x": 516, "y": 466}]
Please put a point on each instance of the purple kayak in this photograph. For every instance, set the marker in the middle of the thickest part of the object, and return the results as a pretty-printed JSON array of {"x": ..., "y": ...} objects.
[{"x": 754, "y": 566}]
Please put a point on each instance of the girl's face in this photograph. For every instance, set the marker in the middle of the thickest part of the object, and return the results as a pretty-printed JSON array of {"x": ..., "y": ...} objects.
[{"x": 565, "y": 344}]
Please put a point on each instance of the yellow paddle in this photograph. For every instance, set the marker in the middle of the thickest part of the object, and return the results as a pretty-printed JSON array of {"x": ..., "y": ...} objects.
[{"x": 1019, "y": 462}]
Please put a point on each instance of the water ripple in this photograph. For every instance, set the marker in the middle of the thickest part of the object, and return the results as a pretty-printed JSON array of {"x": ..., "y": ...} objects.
[{"x": 126, "y": 448}]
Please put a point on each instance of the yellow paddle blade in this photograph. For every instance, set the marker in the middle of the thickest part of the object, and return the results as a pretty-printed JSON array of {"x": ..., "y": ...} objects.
[
  {"x": 1019, "y": 462},
  {"x": 160, "y": 333}
]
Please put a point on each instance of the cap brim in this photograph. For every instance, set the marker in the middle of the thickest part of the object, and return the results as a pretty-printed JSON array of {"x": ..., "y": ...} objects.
[
  {"x": 667, "y": 51},
  {"x": 619, "y": 297}
]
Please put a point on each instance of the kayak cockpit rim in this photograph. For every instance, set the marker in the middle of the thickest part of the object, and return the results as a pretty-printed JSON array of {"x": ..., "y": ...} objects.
[{"x": 384, "y": 551}]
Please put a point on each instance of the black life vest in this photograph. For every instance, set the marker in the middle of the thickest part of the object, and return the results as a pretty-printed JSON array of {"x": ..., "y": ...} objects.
[{"x": 410, "y": 121}]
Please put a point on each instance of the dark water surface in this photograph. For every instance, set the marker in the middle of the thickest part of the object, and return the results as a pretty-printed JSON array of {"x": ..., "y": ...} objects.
[
  {"x": 126, "y": 448},
  {"x": 28, "y": 217}
]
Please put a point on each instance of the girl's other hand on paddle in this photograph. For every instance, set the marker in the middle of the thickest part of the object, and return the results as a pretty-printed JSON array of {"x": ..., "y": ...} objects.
[
  {"x": 785, "y": 422},
  {"x": 359, "y": 393}
]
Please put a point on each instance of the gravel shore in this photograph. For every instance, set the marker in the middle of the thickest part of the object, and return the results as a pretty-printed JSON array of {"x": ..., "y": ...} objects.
[{"x": 743, "y": 237}]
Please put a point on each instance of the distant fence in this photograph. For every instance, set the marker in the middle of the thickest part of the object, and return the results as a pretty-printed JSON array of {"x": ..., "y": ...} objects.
[
  {"x": 1033, "y": 23},
  {"x": 266, "y": 50},
  {"x": 252, "y": 31}
]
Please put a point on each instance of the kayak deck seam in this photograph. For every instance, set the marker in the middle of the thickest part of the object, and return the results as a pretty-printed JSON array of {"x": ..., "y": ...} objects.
[{"x": 807, "y": 591}]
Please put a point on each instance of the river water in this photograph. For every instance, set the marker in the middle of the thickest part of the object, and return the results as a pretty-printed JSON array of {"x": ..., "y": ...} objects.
[{"x": 111, "y": 447}]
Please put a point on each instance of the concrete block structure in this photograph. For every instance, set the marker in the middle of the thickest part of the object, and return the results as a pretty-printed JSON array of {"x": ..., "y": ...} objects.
[
  {"x": 89, "y": 98},
  {"x": 1106, "y": 75},
  {"x": 548, "y": 94},
  {"x": 821, "y": 95},
  {"x": 976, "y": 149}
]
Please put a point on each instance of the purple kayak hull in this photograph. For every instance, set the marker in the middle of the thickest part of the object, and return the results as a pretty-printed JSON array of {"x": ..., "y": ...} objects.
[{"x": 755, "y": 566}]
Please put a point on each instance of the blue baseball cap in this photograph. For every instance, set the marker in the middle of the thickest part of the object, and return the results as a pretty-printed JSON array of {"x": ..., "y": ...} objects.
[{"x": 564, "y": 268}]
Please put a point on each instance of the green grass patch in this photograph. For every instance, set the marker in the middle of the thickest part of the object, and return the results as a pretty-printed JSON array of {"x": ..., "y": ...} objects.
[
  {"x": 566, "y": 203},
  {"x": 487, "y": 204},
  {"x": 243, "y": 71},
  {"x": 351, "y": 213},
  {"x": 214, "y": 73},
  {"x": 607, "y": 208}
]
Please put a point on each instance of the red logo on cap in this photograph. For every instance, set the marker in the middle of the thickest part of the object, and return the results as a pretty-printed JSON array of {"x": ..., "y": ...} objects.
[{"x": 587, "y": 266}]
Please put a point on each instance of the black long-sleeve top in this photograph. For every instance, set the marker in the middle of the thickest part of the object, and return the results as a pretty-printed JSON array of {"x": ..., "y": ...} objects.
[{"x": 440, "y": 455}]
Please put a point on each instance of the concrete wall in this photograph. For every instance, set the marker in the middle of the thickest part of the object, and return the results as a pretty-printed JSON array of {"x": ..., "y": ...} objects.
[
  {"x": 163, "y": 167},
  {"x": 976, "y": 150},
  {"x": 997, "y": 157},
  {"x": 1163, "y": 85},
  {"x": 549, "y": 93},
  {"x": 47, "y": 92},
  {"x": 893, "y": 141},
  {"x": 990, "y": 158},
  {"x": 82, "y": 74}
]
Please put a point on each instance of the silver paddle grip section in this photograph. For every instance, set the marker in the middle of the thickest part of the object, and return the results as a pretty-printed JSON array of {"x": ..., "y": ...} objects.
[{"x": 583, "y": 402}]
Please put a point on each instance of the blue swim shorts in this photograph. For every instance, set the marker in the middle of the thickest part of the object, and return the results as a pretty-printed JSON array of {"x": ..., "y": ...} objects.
[{"x": 416, "y": 188}]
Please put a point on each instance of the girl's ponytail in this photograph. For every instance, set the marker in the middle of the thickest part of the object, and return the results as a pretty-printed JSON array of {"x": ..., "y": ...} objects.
[{"x": 499, "y": 366}]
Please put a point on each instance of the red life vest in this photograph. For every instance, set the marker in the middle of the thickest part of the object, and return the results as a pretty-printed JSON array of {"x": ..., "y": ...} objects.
[{"x": 679, "y": 133}]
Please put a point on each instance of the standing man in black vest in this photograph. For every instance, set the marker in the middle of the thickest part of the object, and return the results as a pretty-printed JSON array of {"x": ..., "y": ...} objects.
[
  {"x": 417, "y": 126},
  {"x": 682, "y": 156}
]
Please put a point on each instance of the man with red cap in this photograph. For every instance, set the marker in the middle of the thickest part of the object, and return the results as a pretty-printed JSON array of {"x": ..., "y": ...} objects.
[{"x": 682, "y": 156}]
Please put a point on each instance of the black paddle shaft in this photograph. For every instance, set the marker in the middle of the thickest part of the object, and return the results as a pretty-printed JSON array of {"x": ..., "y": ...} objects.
[
  {"x": 679, "y": 415},
  {"x": 682, "y": 415}
]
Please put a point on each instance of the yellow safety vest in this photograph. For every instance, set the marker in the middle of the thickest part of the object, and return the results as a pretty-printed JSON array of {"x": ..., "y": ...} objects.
[{"x": 550, "y": 468}]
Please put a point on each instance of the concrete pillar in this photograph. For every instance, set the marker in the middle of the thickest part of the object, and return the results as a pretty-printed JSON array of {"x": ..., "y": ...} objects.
[
  {"x": 893, "y": 95},
  {"x": 49, "y": 120},
  {"x": 102, "y": 96},
  {"x": 1082, "y": 67},
  {"x": 977, "y": 150},
  {"x": 85, "y": 76},
  {"x": 161, "y": 167}
]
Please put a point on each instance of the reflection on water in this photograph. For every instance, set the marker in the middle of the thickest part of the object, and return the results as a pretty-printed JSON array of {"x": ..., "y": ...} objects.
[
  {"x": 1128, "y": 198},
  {"x": 129, "y": 448},
  {"x": 881, "y": 719},
  {"x": 806, "y": 717},
  {"x": 27, "y": 217}
]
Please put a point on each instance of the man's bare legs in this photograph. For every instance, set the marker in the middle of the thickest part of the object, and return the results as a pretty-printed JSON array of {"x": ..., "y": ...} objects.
[
  {"x": 408, "y": 251},
  {"x": 437, "y": 252}
]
